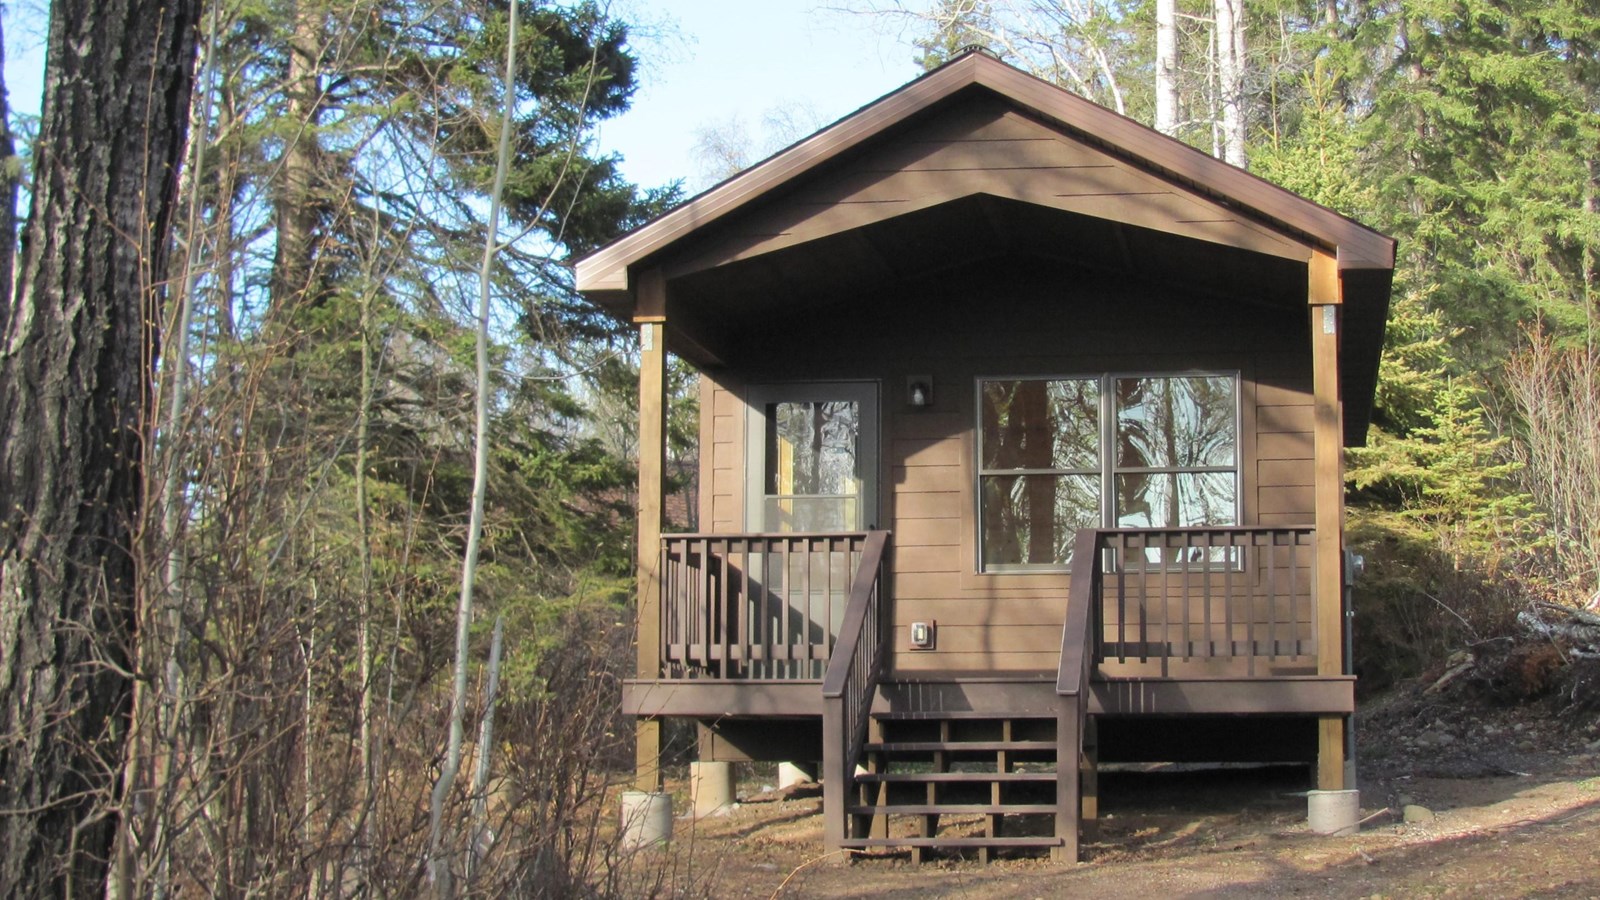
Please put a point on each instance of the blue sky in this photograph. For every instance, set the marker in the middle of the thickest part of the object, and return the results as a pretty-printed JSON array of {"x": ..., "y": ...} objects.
[
  {"x": 743, "y": 59},
  {"x": 703, "y": 63}
]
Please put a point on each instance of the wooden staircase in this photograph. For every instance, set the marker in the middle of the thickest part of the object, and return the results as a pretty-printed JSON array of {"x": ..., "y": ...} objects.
[
  {"x": 960, "y": 781},
  {"x": 927, "y": 777}
]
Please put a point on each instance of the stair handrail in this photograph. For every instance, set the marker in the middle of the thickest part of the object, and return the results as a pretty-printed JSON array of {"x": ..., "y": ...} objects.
[
  {"x": 851, "y": 681},
  {"x": 1077, "y": 638},
  {"x": 1072, "y": 685}
]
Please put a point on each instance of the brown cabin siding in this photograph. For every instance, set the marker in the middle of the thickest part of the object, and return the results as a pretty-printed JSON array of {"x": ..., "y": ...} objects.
[
  {"x": 982, "y": 146},
  {"x": 722, "y": 474},
  {"x": 1016, "y": 318}
]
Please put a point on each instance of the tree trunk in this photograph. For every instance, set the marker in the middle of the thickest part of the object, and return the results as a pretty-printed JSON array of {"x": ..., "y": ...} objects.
[
  {"x": 8, "y": 194},
  {"x": 1230, "y": 77},
  {"x": 293, "y": 263},
  {"x": 1167, "y": 66},
  {"x": 438, "y": 862},
  {"x": 75, "y": 369}
]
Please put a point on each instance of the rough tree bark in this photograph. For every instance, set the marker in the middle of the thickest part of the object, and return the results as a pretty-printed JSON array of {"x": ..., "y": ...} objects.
[
  {"x": 8, "y": 193},
  {"x": 75, "y": 369}
]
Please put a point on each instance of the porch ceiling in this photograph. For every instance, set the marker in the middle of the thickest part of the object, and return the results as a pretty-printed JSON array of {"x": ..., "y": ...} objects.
[
  {"x": 716, "y": 316},
  {"x": 710, "y": 308}
]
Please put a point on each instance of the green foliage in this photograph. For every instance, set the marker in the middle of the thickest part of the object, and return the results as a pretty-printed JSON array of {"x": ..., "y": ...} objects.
[
  {"x": 1434, "y": 508},
  {"x": 958, "y": 24},
  {"x": 1483, "y": 129},
  {"x": 1319, "y": 155},
  {"x": 1432, "y": 467}
]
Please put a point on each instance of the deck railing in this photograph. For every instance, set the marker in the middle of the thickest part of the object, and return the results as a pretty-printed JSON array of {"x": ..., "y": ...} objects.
[
  {"x": 1072, "y": 692},
  {"x": 755, "y": 606},
  {"x": 851, "y": 683},
  {"x": 1238, "y": 592}
]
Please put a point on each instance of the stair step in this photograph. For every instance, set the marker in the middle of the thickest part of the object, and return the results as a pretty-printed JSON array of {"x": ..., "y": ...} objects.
[
  {"x": 952, "y": 777},
  {"x": 974, "y": 746},
  {"x": 951, "y": 843},
  {"x": 955, "y": 809}
]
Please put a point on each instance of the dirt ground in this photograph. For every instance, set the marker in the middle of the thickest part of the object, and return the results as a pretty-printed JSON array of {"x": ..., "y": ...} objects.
[{"x": 1505, "y": 801}]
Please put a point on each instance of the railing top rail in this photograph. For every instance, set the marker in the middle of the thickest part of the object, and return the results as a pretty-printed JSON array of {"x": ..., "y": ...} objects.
[
  {"x": 1207, "y": 529},
  {"x": 765, "y": 536},
  {"x": 1075, "y": 637},
  {"x": 855, "y": 614}
]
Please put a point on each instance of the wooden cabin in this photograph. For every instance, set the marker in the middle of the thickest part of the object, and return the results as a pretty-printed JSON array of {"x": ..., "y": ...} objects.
[{"x": 1020, "y": 441}]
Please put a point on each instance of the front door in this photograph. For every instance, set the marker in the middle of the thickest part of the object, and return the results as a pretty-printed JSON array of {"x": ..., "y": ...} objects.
[
  {"x": 812, "y": 472},
  {"x": 813, "y": 458}
]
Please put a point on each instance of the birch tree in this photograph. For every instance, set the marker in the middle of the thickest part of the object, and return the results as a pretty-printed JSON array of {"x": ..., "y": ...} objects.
[
  {"x": 1166, "y": 65},
  {"x": 1228, "y": 38}
]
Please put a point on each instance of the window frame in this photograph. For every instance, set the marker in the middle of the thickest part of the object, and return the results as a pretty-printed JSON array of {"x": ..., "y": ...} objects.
[{"x": 1108, "y": 470}]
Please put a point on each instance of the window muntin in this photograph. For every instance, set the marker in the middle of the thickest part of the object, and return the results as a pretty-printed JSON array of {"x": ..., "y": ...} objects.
[{"x": 1167, "y": 445}]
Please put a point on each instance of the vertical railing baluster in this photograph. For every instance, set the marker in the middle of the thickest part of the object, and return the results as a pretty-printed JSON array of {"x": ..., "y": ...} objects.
[
  {"x": 805, "y": 613},
  {"x": 1188, "y": 628},
  {"x": 1296, "y": 607},
  {"x": 784, "y": 603},
  {"x": 1099, "y": 590},
  {"x": 738, "y": 623},
  {"x": 1122, "y": 596},
  {"x": 1249, "y": 605},
  {"x": 1205, "y": 592},
  {"x": 706, "y": 591},
  {"x": 1272, "y": 596},
  {"x": 664, "y": 604},
  {"x": 1227, "y": 594},
  {"x": 1145, "y": 613},
  {"x": 768, "y": 626}
]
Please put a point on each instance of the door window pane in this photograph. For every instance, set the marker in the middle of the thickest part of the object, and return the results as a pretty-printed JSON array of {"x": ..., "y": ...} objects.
[{"x": 812, "y": 479}]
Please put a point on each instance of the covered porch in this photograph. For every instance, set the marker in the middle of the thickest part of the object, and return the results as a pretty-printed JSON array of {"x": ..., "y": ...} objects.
[
  {"x": 1170, "y": 622},
  {"x": 964, "y": 278}
]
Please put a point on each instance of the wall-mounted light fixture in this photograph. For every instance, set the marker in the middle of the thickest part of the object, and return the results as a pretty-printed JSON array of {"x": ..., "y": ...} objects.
[
  {"x": 922, "y": 635},
  {"x": 919, "y": 391}
]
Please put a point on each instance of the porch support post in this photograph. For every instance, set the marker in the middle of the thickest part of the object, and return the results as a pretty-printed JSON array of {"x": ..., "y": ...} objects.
[
  {"x": 650, "y": 315},
  {"x": 1325, "y": 294}
]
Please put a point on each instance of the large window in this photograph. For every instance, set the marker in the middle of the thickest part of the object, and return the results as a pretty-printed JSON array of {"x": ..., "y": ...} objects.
[{"x": 1166, "y": 446}]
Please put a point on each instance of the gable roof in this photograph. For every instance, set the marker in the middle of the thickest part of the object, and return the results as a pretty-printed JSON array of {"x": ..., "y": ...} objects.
[
  {"x": 607, "y": 270},
  {"x": 784, "y": 202}
]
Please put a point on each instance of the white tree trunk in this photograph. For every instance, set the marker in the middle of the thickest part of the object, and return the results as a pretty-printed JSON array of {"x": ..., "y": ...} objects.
[
  {"x": 1167, "y": 66},
  {"x": 480, "y": 777},
  {"x": 439, "y": 864},
  {"x": 1230, "y": 77}
]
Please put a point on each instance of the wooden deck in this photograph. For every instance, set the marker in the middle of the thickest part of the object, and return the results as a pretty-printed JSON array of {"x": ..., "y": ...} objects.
[
  {"x": 1218, "y": 620},
  {"x": 1307, "y": 694},
  {"x": 1160, "y": 625}
]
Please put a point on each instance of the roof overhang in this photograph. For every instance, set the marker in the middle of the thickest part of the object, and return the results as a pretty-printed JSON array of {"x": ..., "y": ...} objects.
[
  {"x": 1364, "y": 258},
  {"x": 608, "y": 270}
]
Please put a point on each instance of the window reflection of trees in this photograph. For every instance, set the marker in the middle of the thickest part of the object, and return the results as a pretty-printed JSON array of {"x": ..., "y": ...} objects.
[
  {"x": 1166, "y": 425},
  {"x": 1173, "y": 444},
  {"x": 1050, "y": 431},
  {"x": 821, "y": 438}
]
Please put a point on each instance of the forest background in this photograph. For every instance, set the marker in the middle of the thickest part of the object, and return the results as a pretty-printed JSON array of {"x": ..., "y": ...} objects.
[{"x": 245, "y": 681}]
